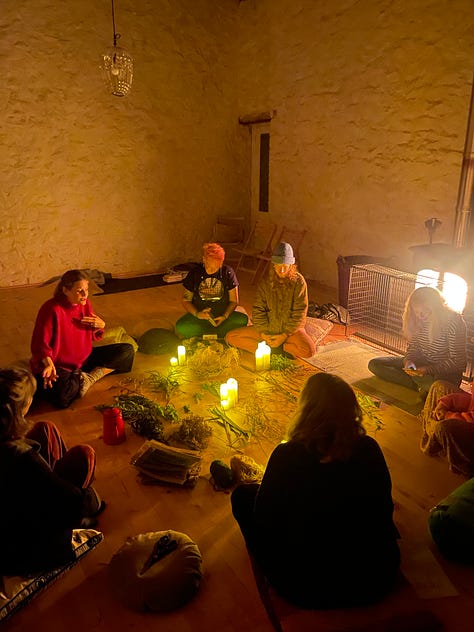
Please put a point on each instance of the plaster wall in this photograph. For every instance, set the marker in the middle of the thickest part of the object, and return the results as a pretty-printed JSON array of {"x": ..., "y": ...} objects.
[
  {"x": 123, "y": 185},
  {"x": 370, "y": 102}
]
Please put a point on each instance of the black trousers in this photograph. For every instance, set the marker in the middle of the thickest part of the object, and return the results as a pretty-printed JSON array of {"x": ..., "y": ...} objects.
[{"x": 118, "y": 357}]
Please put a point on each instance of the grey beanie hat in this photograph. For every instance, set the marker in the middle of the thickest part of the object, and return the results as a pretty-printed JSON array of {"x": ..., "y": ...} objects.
[{"x": 283, "y": 254}]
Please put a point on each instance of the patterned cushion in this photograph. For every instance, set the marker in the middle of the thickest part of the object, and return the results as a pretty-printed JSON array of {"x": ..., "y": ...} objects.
[
  {"x": 157, "y": 571},
  {"x": 318, "y": 328},
  {"x": 16, "y": 592}
]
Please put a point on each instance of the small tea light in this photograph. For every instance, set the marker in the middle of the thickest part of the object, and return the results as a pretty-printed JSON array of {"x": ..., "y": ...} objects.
[
  {"x": 181, "y": 355},
  {"x": 225, "y": 403},
  {"x": 174, "y": 361}
]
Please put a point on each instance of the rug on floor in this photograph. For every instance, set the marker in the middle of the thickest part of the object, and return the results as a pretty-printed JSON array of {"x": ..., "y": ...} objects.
[{"x": 349, "y": 360}]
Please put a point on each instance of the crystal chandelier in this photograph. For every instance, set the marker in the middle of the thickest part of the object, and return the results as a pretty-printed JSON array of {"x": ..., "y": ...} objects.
[{"x": 117, "y": 66}]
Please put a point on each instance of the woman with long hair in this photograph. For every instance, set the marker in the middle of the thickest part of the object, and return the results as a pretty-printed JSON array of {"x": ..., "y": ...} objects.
[
  {"x": 436, "y": 344},
  {"x": 63, "y": 359},
  {"x": 320, "y": 524},
  {"x": 46, "y": 488},
  {"x": 279, "y": 310}
]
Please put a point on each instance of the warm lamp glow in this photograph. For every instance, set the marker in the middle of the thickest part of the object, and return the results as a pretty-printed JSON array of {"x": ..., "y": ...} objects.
[{"x": 452, "y": 287}]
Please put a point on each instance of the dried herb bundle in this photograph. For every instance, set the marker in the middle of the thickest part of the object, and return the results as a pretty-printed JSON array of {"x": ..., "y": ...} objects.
[
  {"x": 194, "y": 432},
  {"x": 166, "y": 382},
  {"x": 230, "y": 426},
  {"x": 210, "y": 359}
]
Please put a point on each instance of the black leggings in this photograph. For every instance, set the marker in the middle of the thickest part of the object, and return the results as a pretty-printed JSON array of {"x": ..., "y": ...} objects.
[{"x": 118, "y": 357}]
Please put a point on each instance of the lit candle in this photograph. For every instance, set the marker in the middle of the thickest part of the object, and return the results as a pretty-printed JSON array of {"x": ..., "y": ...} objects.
[
  {"x": 266, "y": 357},
  {"x": 181, "y": 355},
  {"x": 259, "y": 359},
  {"x": 224, "y": 394},
  {"x": 233, "y": 390},
  {"x": 174, "y": 361},
  {"x": 224, "y": 391}
]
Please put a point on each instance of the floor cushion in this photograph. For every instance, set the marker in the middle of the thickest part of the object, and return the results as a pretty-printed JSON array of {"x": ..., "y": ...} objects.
[
  {"x": 17, "y": 592},
  {"x": 157, "y": 341},
  {"x": 451, "y": 524},
  {"x": 157, "y": 571}
]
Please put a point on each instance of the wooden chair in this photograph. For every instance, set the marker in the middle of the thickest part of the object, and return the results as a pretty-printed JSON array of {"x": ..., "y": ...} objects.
[
  {"x": 256, "y": 249},
  {"x": 229, "y": 232}
]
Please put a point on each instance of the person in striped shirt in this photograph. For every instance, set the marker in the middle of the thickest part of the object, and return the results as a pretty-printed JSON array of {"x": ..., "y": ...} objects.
[{"x": 436, "y": 344}]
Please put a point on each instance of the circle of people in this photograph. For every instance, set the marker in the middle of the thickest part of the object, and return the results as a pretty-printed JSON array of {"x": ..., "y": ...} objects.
[{"x": 325, "y": 501}]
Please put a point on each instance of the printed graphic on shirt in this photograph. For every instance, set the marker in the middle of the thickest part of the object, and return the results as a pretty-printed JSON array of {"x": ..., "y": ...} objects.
[{"x": 211, "y": 289}]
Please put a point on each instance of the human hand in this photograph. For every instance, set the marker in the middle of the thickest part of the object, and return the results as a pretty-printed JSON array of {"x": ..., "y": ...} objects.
[
  {"x": 275, "y": 340},
  {"x": 49, "y": 373},
  {"x": 439, "y": 412},
  {"x": 93, "y": 321},
  {"x": 218, "y": 320}
]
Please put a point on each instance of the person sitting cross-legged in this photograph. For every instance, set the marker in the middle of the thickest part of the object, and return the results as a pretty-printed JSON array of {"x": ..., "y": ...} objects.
[
  {"x": 279, "y": 310},
  {"x": 46, "y": 488},
  {"x": 63, "y": 359},
  {"x": 211, "y": 297}
]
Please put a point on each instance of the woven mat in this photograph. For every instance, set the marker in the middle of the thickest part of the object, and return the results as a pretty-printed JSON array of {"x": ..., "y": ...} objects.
[{"x": 349, "y": 360}]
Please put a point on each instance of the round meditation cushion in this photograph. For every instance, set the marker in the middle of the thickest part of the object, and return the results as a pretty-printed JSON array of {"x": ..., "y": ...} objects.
[
  {"x": 158, "y": 341},
  {"x": 157, "y": 571},
  {"x": 451, "y": 524}
]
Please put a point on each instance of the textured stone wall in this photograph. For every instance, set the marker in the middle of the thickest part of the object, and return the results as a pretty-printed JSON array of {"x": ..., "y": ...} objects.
[
  {"x": 371, "y": 101},
  {"x": 119, "y": 184}
]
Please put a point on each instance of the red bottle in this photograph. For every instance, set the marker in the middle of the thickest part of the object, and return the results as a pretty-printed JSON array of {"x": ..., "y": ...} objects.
[{"x": 114, "y": 429}]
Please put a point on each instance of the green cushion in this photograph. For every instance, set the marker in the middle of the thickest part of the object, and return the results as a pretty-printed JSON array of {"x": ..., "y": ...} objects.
[
  {"x": 158, "y": 341},
  {"x": 142, "y": 584},
  {"x": 16, "y": 592},
  {"x": 451, "y": 524}
]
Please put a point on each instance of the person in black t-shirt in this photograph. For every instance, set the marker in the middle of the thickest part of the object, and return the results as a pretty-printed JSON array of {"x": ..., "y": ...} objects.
[{"x": 211, "y": 296}]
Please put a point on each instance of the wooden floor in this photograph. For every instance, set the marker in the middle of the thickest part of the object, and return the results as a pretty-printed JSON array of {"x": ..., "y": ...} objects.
[{"x": 228, "y": 599}]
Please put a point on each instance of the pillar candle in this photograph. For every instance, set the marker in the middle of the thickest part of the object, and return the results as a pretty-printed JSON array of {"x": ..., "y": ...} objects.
[
  {"x": 233, "y": 391},
  {"x": 181, "y": 355},
  {"x": 259, "y": 359},
  {"x": 174, "y": 361},
  {"x": 266, "y": 357}
]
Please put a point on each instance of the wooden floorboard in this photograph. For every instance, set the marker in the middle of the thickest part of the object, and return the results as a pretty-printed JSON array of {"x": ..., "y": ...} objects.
[{"x": 228, "y": 600}]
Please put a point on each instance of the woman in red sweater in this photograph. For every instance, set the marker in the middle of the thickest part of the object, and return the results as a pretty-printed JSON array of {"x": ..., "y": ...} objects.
[{"x": 63, "y": 360}]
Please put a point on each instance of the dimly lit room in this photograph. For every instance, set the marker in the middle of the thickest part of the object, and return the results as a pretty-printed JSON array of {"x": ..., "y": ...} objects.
[{"x": 318, "y": 148}]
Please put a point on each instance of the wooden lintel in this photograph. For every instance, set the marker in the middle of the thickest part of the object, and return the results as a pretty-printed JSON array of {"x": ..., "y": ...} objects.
[{"x": 261, "y": 117}]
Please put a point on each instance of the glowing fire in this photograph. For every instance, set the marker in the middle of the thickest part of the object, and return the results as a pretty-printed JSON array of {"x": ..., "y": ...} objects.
[{"x": 452, "y": 287}]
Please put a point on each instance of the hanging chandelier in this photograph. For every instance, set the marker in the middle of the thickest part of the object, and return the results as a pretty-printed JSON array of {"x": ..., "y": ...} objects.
[{"x": 117, "y": 66}]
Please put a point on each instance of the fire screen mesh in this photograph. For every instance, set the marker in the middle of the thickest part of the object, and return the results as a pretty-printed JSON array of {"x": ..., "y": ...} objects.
[{"x": 376, "y": 300}]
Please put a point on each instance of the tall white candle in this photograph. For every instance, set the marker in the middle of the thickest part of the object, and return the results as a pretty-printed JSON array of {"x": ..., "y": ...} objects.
[
  {"x": 233, "y": 390},
  {"x": 259, "y": 359},
  {"x": 266, "y": 357},
  {"x": 181, "y": 355},
  {"x": 224, "y": 395}
]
